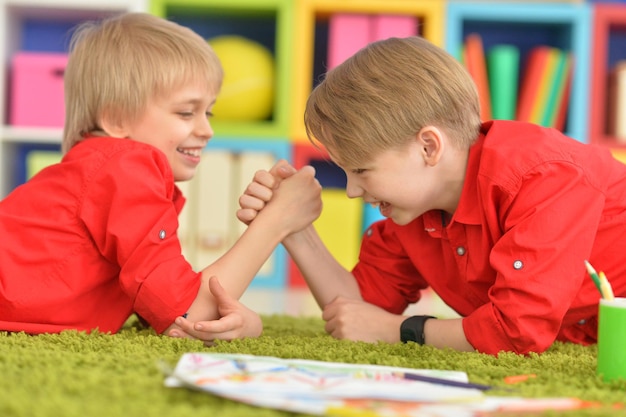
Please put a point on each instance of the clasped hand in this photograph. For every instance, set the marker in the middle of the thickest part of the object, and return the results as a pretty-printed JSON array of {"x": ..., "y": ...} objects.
[
  {"x": 299, "y": 192},
  {"x": 236, "y": 320}
]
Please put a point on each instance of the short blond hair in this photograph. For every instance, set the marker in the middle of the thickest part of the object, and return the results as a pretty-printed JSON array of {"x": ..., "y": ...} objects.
[
  {"x": 379, "y": 98},
  {"x": 118, "y": 64}
]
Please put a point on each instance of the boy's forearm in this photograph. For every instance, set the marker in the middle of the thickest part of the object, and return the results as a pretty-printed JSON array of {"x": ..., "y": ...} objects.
[
  {"x": 236, "y": 268},
  {"x": 203, "y": 306},
  {"x": 447, "y": 333},
  {"x": 326, "y": 278}
]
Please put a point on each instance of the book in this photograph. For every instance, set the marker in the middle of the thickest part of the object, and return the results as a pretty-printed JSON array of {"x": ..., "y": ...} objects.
[
  {"x": 347, "y": 33},
  {"x": 532, "y": 86},
  {"x": 388, "y": 26},
  {"x": 558, "y": 93},
  {"x": 560, "y": 118},
  {"x": 475, "y": 62},
  {"x": 616, "y": 110},
  {"x": 343, "y": 389},
  {"x": 548, "y": 80},
  {"x": 545, "y": 88},
  {"x": 503, "y": 70}
]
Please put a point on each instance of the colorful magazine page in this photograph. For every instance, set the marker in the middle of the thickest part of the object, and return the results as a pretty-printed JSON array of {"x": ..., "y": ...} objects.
[{"x": 339, "y": 389}]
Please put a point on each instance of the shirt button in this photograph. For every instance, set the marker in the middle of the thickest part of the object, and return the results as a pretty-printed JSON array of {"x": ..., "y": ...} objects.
[
  {"x": 518, "y": 264},
  {"x": 460, "y": 251},
  {"x": 162, "y": 234},
  {"x": 583, "y": 321},
  {"x": 369, "y": 232}
]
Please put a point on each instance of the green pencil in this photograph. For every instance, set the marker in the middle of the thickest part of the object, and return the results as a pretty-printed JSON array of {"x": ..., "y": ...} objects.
[{"x": 594, "y": 276}]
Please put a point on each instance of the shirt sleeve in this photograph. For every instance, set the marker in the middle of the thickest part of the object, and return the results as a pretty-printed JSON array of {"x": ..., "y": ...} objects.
[
  {"x": 385, "y": 274},
  {"x": 549, "y": 225},
  {"x": 130, "y": 213}
]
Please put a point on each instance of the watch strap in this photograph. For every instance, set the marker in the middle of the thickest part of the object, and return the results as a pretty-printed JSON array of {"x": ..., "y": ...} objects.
[{"x": 412, "y": 329}]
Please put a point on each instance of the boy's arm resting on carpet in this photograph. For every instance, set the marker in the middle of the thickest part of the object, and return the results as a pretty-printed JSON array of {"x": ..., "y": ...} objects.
[
  {"x": 335, "y": 289},
  {"x": 298, "y": 195},
  {"x": 346, "y": 314}
]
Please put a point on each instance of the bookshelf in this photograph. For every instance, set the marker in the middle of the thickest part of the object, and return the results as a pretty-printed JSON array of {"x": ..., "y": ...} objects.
[{"x": 300, "y": 34}]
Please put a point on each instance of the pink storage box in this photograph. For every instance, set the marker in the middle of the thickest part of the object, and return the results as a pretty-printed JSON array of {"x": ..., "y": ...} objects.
[{"x": 37, "y": 89}]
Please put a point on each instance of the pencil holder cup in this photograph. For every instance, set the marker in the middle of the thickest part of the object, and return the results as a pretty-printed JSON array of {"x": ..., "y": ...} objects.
[{"x": 612, "y": 339}]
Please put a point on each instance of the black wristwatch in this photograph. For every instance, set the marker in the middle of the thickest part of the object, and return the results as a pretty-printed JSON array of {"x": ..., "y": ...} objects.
[{"x": 412, "y": 329}]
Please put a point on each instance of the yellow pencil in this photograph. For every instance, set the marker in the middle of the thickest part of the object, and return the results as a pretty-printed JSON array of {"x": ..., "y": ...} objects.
[{"x": 605, "y": 287}]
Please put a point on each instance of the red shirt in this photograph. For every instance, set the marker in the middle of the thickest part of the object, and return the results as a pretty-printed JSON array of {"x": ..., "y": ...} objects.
[
  {"x": 88, "y": 241},
  {"x": 534, "y": 206}
]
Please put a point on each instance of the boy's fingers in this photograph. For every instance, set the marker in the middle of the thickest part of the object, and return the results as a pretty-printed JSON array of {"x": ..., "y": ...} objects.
[
  {"x": 216, "y": 288},
  {"x": 186, "y": 329},
  {"x": 264, "y": 178},
  {"x": 220, "y": 294},
  {"x": 260, "y": 192},
  {"x": 308, "y": 169},
  {"x": 246, "y": 215},
  {"x": 282, "y": 169},
  {"x": 277, "y": 165},
  {"x": 219, "y": 328}
]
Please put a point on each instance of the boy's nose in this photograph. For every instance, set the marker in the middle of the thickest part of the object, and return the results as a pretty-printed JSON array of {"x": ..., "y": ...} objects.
[
  {"x": 204, "y": 128},
  {"x": 352, "y": 189}
]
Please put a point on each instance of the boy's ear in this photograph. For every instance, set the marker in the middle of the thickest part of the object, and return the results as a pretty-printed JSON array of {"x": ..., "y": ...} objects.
[
  {"x": 431, "y": 143},
  {"x": 113, "y": 127}
]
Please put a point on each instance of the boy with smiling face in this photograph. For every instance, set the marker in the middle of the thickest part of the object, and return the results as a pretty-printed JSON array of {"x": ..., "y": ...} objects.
[
  {"x": 496, "y": 217},
  {"x": 93, "y": 239}
]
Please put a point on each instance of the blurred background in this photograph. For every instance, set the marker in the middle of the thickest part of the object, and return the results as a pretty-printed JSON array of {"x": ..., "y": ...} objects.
[{"x": 560, "y": 64}]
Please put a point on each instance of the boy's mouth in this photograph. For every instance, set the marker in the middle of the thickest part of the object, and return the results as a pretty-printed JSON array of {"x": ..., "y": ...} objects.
[
  {"x": 383, "y": 207},
  {"x": 195, "y": 152}
]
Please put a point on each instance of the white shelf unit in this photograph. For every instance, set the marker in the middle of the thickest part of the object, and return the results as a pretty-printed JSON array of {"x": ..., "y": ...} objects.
[{"x": 13, "y": 15}]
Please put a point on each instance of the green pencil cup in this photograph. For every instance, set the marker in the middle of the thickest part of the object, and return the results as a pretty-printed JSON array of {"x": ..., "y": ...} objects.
[{"x": 612, "y": 339}]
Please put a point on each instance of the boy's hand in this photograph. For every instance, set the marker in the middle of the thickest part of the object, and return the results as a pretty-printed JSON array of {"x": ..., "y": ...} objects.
[
  {"x": 359, "y": 320},
  {"x": 261, "y": 190},
  {"x": 296, "y": 203},
  {"x": 236, "y": 320}
]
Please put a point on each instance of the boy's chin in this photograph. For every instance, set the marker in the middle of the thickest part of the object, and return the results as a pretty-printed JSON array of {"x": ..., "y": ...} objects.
[
  {"x": 184, "y": 177},
  {"x": 402, "y": 220}
]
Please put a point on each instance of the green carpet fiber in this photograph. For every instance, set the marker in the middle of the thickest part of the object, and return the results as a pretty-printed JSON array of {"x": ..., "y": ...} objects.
[{"x": 78, "y": 374}]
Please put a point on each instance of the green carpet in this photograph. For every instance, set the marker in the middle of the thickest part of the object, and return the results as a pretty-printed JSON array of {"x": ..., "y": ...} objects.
[{"x": 75, "y": 374}]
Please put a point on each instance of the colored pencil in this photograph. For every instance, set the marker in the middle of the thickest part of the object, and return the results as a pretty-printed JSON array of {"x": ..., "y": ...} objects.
[
  {"x": 606, "y": 289},
  {"x": 594, "y": 276},
  {"x": 443, "y": 381}
]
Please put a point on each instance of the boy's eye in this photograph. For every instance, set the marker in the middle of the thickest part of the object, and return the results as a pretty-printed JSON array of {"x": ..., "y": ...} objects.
[
  {"x": 186, "y": 113},
  {"x": 358, "y": 170},
  {"x": 209, "y": 114}
]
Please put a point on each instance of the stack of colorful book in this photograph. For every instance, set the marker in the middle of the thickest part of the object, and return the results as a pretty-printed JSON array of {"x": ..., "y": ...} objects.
[{"x": 537, "y": 93}]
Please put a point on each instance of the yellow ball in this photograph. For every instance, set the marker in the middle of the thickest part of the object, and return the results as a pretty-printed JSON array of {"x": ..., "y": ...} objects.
[{"x": 248, "y": 89}]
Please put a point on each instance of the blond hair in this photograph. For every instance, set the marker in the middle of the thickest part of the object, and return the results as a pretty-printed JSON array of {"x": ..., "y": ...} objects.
[
  {"x": 118, "y": 64},
  {"x": 383, "y": 95}
]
